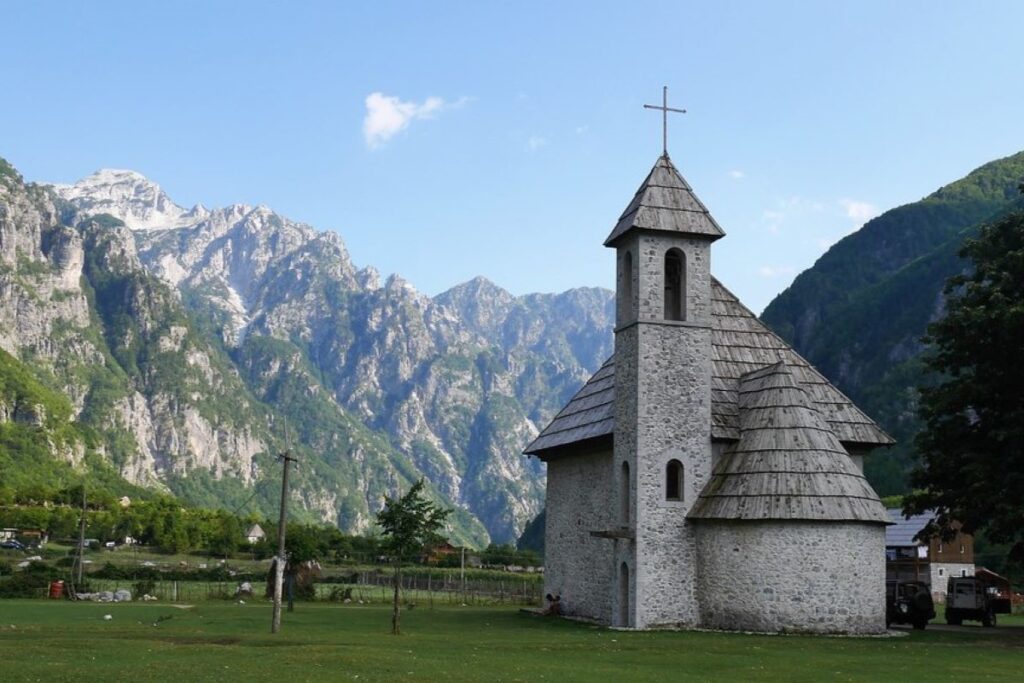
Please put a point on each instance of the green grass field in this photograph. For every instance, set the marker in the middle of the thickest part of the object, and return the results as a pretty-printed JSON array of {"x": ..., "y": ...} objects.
[{"x": 224, "y": 641}]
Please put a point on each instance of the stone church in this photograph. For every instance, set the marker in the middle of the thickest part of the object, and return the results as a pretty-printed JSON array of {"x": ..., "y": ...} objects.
[{"x": 707, "y": 475}]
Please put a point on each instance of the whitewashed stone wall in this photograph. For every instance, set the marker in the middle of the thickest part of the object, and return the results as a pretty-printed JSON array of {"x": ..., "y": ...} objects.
[
  {"x": 821, "y": 577},
  {"x": 578, "y": 566}
]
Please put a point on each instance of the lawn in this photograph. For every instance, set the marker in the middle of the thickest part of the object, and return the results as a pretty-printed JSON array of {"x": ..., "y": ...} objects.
[{"x": 224, "y": 641}]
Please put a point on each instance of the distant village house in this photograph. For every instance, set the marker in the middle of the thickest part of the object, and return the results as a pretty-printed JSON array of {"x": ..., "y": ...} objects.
[
  {"x": 255, "y": 534},
  {"x": 931, "y": 561}
]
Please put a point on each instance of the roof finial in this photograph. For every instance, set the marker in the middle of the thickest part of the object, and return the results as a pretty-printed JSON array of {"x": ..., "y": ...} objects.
[{"x": 665, "y": 109}]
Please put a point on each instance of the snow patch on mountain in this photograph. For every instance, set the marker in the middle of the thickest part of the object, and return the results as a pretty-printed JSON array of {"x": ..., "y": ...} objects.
[{"x": 131, "y": 197}]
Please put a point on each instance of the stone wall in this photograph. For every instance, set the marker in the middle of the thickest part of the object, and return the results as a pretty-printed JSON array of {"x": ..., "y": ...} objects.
[
  {"x": 673, "y": 422},
  {"x": 662, "y": 412},
  {"x": 578, "y": 566},
  {"x": 820, "y": 577}
]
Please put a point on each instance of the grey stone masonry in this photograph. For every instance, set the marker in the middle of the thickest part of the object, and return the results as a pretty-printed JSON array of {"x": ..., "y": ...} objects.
[
  {"x": 662, "y": 412},
  {"x": 790, "y": 576},
  {"x": 578, "y": 566}
]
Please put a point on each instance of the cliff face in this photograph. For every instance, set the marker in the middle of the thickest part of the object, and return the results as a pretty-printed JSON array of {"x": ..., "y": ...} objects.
[
  {"x": 195, "y": 339},
  {"x": 81, "y": 311}
]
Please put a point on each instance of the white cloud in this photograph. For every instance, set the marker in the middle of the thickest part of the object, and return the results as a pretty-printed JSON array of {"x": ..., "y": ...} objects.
[
  {"x": 536, "y": 142},
  {"x": 387, "y": 115},
  {"x": 580, "y": 130},
  {"x": 859, "y": 212},
  {"x": 773, "y": 219},
  {"x": 775, "y": 271},
  {"x": 789, "y": 210},
  {"x": 798, "y": 203},
  {"x": 736, "y": 174}
]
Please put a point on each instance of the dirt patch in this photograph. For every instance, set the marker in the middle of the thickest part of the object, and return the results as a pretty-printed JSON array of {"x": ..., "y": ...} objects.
[{"x": 196, "y": 640}]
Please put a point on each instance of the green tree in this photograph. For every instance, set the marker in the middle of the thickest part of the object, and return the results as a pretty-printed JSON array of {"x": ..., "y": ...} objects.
[
  {"x": 303, "y": 543},
  {"x": 409, "y": 523},
  {"x": 972, "y": 446},
  {"x": 226, "y": 535}
]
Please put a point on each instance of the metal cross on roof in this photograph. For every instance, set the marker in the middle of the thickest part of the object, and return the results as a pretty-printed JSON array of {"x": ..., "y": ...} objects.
[{"x": 665, "y": 109}]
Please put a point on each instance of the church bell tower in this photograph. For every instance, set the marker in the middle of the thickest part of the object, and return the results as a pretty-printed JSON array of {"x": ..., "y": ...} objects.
[{"x": 663, "y": 354}]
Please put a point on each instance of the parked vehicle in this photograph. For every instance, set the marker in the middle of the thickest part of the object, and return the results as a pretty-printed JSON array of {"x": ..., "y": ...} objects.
[
  {"x": 11, "y": 544},
  {"x": 971, "y": 598},
  {"x": 908, "y": 602}
]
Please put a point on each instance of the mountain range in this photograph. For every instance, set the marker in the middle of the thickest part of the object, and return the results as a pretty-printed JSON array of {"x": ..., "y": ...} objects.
[
  {"x": 181, "y": 349},
  {"x": 187, "y": 347}
]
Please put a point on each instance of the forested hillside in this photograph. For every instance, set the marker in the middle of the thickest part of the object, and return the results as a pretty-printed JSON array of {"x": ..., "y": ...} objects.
[{"x": 859, "y": 314}]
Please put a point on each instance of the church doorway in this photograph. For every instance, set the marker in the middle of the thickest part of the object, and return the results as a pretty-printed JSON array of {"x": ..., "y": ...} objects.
[{"x": 623, "y": 595}]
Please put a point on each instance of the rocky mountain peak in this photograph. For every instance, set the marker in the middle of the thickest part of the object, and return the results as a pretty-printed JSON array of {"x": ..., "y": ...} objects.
[
  {"x": 385, "y": 383},
  {"x": 129, "y": 196},
  {"x": 483, "y": 305}
]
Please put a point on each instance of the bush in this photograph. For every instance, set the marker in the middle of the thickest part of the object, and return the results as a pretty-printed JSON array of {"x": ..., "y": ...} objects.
[
  {"x": 144, "y": 587},
  {"x": 31, "y": 582},
  {"x": 339, "y": 594}
]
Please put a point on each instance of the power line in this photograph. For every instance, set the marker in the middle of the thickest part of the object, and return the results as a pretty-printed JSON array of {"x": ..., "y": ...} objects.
[{"x": 255, "y": 490}]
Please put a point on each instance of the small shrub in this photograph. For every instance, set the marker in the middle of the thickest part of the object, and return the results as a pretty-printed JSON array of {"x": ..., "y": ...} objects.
[
  {"x": 339, "y": 594},
  {"x": 32, "y": 582},
  {"x": 144, "y": 587}
]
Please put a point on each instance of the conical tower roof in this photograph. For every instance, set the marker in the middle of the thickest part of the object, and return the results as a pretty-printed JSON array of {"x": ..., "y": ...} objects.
[
  {"x": 666, "y": 203},
  {"x": 788, "y": 463}
]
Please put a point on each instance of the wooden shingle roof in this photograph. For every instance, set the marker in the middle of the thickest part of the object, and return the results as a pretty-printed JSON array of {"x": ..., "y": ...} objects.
[
  {"x": 740, "y": 343},
  {"x": 665, "y": 202},
  {"x": 788, "y": 463}
]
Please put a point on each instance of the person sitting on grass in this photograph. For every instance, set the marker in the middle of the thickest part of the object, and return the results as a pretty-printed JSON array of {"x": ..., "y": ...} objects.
[{"x": 554, "y": 606}]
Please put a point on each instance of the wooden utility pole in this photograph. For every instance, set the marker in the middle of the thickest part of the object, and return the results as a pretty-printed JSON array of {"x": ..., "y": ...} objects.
[
  {"x": 275, "y": 624},
  {"x": 81, "y": 541}
]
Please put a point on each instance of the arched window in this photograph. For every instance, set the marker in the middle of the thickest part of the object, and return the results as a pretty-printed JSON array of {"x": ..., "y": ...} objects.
[
  {"x": 626, "y": 288},
  {"x": 674, "y": 480},
  {"x": 675, "y": 285},
  {"x": 624, "y": 494}
]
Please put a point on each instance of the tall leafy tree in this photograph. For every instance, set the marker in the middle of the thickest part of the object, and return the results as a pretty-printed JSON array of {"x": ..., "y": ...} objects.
[
  {"x": 972, "y": 445},
  {"x": 409, "y": 523}
]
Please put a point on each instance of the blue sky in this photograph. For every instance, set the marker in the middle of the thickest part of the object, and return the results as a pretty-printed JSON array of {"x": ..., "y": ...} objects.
[{"x": 444, "y": 140}]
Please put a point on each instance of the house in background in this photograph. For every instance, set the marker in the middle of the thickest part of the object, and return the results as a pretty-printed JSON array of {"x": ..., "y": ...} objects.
[
  {"x": 932, "y": 561},
  {"x": 255, "y": 534},
  {"x": 33, "y": 538}
]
